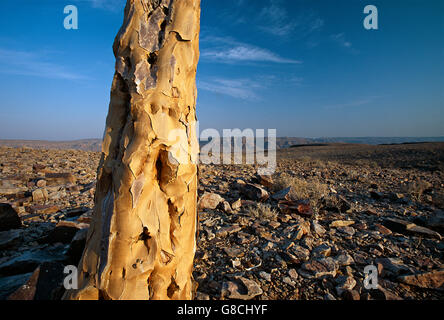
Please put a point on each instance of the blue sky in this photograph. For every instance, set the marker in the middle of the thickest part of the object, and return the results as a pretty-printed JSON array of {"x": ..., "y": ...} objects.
[{"x": 306, "y": 68}]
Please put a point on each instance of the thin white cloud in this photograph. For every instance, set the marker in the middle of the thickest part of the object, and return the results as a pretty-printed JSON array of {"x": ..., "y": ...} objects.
[
  {"x": 243, "y": 89},
  {"x": 34, "y": 64},
  {"x": 228, "y": 50},
  {"x": 245, "y": 53}
]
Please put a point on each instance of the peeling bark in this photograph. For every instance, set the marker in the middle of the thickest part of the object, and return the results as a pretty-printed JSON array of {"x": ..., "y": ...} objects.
[{"x": 142, "y": 239}]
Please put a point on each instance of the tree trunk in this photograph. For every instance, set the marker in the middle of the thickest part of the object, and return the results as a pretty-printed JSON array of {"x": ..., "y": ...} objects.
[{"x": 142, "y": 239}]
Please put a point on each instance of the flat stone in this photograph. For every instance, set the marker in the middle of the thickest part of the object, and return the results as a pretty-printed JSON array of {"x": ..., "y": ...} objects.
[
  {"x": 241, "y": 289},
  {"x": 255, "y": 192},
  {"x": 341, "y": 223},
  {"x": 427, "y": 280},
  {"x": 321, "y": 267},
  {"x": 64, "y": 232}
]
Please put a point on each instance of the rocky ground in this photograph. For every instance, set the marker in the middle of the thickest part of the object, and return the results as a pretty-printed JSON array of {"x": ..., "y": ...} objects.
[{"x": 307, "y": 232}]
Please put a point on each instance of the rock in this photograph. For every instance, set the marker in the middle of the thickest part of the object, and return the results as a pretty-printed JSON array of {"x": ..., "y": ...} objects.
[
  {"x": 336, "y": 204},
  {"x": 344, "y": 259},
  {"x": 293, "y": 274},
  {"x": 209, "y": 201},
  {"x": 302, "y": 208},
  {"x": 282, "y": 195},
  {"x": 349, "y": 231},
  {"x": 265, "y": 275},
  {"x": 225, "y": 207},
  {"x": 10, "y": 238},
  {"x": 255, "y": 192},
  {"x": 43, "y": 283},
  {"x": 241, "y": 289},
  {"x": 351, "y": 295},
  {"x": 289, "y": 281},
  {"x": 64, "y": 232},
  {"x": 302, "y": 229},
  {"x": 317, "y": 228},
  {"x": 9, "y": 284},
  {"x": 376, "y": 195},
  {"x": 75, "y": 250},
  {"x": 236, "y": 205},
  {"x": 436, "y": 221},
  {"x": 393, "y": 266},
  {"x": 29, "y": 260},
  {"x": 41, "y": 183},
  {"x": 9, "y": 218},
  {"x": 407, "y": 227},
  {"x": 266, "y": 181},
  {"x": 321, "y": 267},
  {"x": 75, "y": 212},
  {"x": 344, "y": 283},
  {"x": 427, "y": 280},
  {"x": 44, "y": 209},
  {"x": 39, "y": 195},
  {"x": 341, "y": 223},
  {"x": 322, "y": 250},
  {"x": 233, "y": 252},
  {"x": 296, "y": 254},
  {"x": 223, "y": 232},
  {"x": 383, "y": 230},
  {"x": 56, "y": 179}
]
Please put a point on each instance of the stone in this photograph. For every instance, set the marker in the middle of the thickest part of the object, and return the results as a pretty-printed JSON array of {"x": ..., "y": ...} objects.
[
  {"x": 9, "y": 218},
  {"x": 39, "y": 195},
  {"x": 344, "y": 283},
  {"x": 321, "y": 267},
  {"x": 282, "y": 195},
  {"x": 10, "y": 284},
  {"x": 209, "y": 201},
  {"x": 56, "y": 179},
  {"x": 10, "y": 238},
  {"x": 407, "y": 227},
  {"x": 43, "y": 284},
  {"x": 76, "y": 247},
  {"x": 436, "y": 221},
  {"x": 394, "y": 266},
  {"x": 383, "y": 230},
  {"x": 266, "y": 276},
  {"x": 225, "y": 207},
  {"x": 297, "y": 254},
  {"x": 266, "y": 181},
  {"x": 236, "y": 205},
  {"x": 344, "y": 259},
  {"x": 255, "y": 192},
  {"x": 341, "y": 223},
  {"x": 302, "y": 208},
  {"x": 347, "y": 230},
  {"x": 317, "y": 228},
  {"x": 351, "y": 295},
  {"x": 64, "y": 232},
  {"x": 241, "y": 289},
  {"x": 41, "y": 183},
  {"x": 427, "y": 280},
  {"x": 293, "y": 274},
  {"x": 322, "y": 250}
]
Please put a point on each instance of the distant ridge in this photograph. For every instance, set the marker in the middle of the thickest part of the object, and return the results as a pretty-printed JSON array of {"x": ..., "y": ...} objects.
[{"x": 281, "y": 143}]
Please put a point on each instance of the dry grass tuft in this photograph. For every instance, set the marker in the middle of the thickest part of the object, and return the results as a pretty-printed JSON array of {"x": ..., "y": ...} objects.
[{"x": 262, "y": 211}]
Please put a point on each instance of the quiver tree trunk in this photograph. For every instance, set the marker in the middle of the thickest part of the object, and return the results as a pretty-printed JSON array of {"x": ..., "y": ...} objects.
[{"x": 142, "y": 239}]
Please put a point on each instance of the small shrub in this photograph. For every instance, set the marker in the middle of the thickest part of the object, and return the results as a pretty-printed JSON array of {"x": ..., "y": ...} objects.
[{"x": 262, "y": 211}]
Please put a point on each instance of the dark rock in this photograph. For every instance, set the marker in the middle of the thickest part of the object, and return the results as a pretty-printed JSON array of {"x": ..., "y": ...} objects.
[
  {"x": 44, "y": 283},
  {"x": 254, "y": 192},
  {"x": 9, "y": 284},
  {"x": 9, "y": 218},
  {"x": 64, "y": 232},
  {"x": 241, "y": 289},
  {"x": 10, "y": 238},
  {"x": 75, "y": 250}
]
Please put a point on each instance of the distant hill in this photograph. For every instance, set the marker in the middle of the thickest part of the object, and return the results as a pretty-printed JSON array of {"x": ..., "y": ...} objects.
[{"x": 281, "y": 143}]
